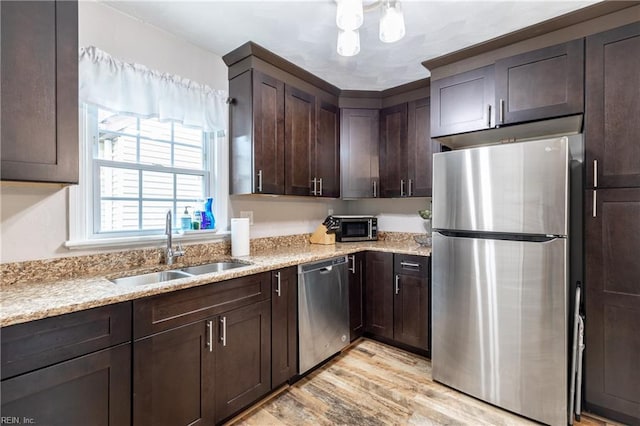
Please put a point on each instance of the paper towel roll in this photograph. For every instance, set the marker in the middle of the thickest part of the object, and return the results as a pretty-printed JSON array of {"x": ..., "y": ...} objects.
[{"x": 240, "y": 237}]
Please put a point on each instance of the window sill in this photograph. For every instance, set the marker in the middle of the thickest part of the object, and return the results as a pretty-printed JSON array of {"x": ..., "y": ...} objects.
[{"x": 141, "y": 241}]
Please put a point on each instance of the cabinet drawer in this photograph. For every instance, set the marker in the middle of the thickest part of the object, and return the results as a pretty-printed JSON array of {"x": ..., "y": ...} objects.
[
  {"x": 32, "y": 345},
  {"x": 166, "y": 311},
  {"x": 413, "y": 265}
]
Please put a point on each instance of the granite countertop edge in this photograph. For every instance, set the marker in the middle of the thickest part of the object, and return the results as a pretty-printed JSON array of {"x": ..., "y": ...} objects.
[{"x": 26, "y": 302}]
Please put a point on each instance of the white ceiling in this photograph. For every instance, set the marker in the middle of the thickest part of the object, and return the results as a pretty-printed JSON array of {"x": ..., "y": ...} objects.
[{"x": 304, "y": 32}]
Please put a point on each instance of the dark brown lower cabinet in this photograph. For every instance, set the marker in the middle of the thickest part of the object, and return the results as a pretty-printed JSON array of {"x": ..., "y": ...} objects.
[
  {"x": 356, "y": 294},
  {"x": 93, "y": 389},
  {"x": 612, "y": 303},
  {"x": 379, "y": 294},
  {"x": 397, "y": 295},
  {"x": 284, "y": 321},
  {"x": 411, "y": 301},
  {"x": 243, "y": 358},
  {"x": 173, "y": 380}
]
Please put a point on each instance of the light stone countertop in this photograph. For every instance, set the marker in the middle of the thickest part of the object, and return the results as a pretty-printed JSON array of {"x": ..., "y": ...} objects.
[{"x": 32, "y": 301}]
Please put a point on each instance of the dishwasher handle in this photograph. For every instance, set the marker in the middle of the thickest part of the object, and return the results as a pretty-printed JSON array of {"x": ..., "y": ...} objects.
[{"x": 324, "y": 266}]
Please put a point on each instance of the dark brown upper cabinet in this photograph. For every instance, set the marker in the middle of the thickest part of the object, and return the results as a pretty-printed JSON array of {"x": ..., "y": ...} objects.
[
  {"x": 406, "y": 150},
  {"x": 392, "y": 147},
  {"x": 543, "y": 83},
  {"x": 463, "y": 102},
  {"x": 420, "y": 148},
  {"x": 359, "y": 152},
  {"x": 612, "y": 108},
  {"x": 300, "y": 139},
  {"x": 612, "y": 303},
  {"x": 39, "y": 61},
  {"x": 327, "y": 152},
  {"x": 283, "y": 127},
  {"x": 257, "y": 134}
]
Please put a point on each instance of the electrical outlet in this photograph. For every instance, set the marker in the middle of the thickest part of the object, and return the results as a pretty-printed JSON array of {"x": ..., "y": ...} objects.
[
  {"x": 248, "y": 214},
  {"x": 330, "y": 212}
]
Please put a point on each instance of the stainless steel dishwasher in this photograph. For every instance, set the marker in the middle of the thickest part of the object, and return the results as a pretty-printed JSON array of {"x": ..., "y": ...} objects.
[{"x": 323, "y": 311}]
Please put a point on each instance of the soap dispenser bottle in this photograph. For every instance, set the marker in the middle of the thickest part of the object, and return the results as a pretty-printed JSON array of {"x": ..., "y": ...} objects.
[{"x": 185, "y": 220}]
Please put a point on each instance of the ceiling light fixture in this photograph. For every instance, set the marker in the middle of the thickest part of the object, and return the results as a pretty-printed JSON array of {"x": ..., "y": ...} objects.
[{"x": 350, "y": 16}]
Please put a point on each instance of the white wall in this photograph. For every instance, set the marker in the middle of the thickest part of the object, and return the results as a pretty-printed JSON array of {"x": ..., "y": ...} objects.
[
  {"x": 34, "y": 218},
  {"x": 394, "y": 214}
]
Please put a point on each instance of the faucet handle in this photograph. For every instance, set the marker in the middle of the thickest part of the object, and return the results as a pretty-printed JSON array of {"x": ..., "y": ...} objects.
[{"x": 179, "y": 251}]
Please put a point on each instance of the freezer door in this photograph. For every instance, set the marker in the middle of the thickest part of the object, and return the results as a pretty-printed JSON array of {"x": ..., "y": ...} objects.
[
  {"x": 513, "y": 188},
  {"x": 500, "y": 322}
]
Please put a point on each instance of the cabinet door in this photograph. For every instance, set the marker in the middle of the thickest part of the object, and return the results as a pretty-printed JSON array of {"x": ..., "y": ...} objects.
[
  {"x": 393, "y": 151},
  {"x": 379, "y": 294},
  {"x": 411, "y": 301},
  {"x": 39, "y": 49},
  {"x": 243, "y": 358},
  {"x": 300, "y": 138},
  {"x": 173, "y": 377},
  {"x": 93, "y": 389},
  {"x": 463, "y": 102},
  {"x": 359, "y": 153},
  {"x": 268, "y": 134},
  {"x": 327, "y": 152},
  {"x": 420, "y": 148},
  {"x": 612, "y": 302},
  {"x": 356, "y": 295},
  {"x": 544, "y": 83},
  {"x": 284, "y": 322},
  {"x": 613, "y": 107}
]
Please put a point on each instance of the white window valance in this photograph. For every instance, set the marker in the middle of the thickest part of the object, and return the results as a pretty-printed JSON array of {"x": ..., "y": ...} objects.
[{"x": 135, "y": 89}]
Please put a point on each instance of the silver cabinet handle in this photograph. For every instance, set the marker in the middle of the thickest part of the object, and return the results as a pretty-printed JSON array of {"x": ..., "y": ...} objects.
[
  {"x": 501, "y": 111},
  {"x": 397, "y": 289},
  {"x": 278, "y": 292},
  {"x": 259, "y": 181},
  {"x": 410, "y": 190},
  {"x": 375, "y": 189},
  {"x": 402, "y": 187},
  {"x": 410, "y": 265},
  {"x": 489, "y": 116},
  {"x": 595, "y": 206},
  {"x": 210, "y": 335},
  {"x": 223, "y": 334},
  {"x": 595, "y": 173},
  {"x": 313, "y": 191},
  {"x": 320, "y": 192},
  {"x": 352, "y": 268}
]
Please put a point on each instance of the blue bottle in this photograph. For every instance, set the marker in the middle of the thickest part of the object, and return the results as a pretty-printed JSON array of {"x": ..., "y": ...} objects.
[{"x": 208, "y": 220}]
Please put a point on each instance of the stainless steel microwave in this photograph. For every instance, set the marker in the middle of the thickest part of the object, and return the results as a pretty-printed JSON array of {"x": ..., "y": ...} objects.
[{"x": 356, "y": 228}]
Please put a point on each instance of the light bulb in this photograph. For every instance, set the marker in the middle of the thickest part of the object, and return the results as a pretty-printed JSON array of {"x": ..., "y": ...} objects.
[
  {"x": 349, "y": 15},
  {"x": 348, "y": 42},
  {"x": 391, "y": 22}
]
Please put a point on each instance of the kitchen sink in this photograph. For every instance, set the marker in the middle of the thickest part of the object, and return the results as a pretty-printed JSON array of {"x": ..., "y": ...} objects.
[
  {"x": 176, "y": 274},
  {"x": 213, "y": 267},
  {"x": 151, "y": 278}
]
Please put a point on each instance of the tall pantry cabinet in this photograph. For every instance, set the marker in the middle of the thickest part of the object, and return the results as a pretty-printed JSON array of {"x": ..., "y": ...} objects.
[{"x": 612, "y": 224}]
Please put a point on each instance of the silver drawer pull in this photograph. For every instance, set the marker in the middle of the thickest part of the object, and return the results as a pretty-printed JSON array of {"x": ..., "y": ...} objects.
[
  {"x": 410, "y": 265},
  {"x": 223, "y": 334},
  {"x": 210, "y": 335},
  {"x": 278, "y": 284}
]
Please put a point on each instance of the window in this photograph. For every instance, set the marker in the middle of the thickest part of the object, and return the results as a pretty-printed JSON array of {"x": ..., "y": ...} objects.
[{"x": 140, "y": 169}]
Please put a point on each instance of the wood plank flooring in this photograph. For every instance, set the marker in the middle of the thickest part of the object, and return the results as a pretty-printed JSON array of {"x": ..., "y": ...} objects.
[{"x": 374, "y": 384}]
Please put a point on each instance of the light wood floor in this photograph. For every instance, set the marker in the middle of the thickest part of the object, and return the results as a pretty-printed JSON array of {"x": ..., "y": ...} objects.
[{"x": 375, "y": 384}]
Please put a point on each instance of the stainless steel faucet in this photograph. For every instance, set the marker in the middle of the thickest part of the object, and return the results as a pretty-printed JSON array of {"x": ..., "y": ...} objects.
[{"x": 170, "y": 253}]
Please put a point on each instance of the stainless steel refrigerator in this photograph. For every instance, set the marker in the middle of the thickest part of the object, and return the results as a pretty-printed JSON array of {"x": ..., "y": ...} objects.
[{"x": 500, "y": 275}]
